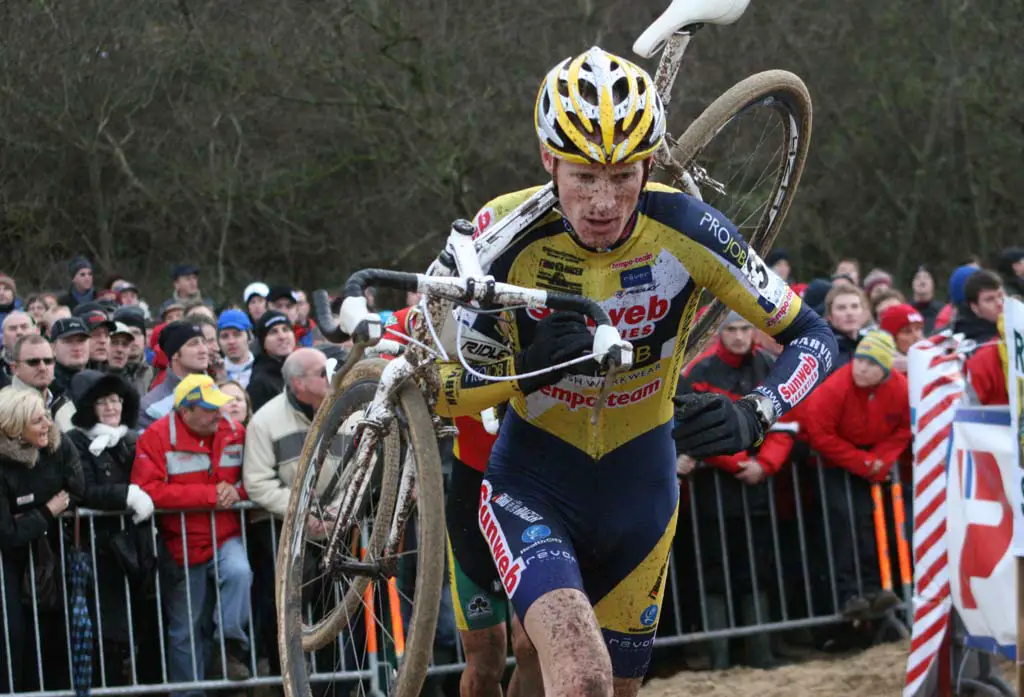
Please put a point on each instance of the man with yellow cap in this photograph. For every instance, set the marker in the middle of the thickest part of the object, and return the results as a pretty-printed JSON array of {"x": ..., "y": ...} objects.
[
  {"x": 192, "y": 458},
  {"x": 861, "y": 424}
]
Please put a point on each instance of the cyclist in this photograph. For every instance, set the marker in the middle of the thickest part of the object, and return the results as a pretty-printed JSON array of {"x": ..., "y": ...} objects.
[
  {"x": 479, "y": 601},
  {"x": 579, "y": 520}
]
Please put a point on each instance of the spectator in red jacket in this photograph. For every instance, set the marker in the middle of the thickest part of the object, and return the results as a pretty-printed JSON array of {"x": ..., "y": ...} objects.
[
  {"x": 906, "y": 325},
  {"x": 861, "y": 424},
  {"x": 734, "y": 365},
  {"x": 986, "y": 371},
  {"x": 192, "y": 458}
]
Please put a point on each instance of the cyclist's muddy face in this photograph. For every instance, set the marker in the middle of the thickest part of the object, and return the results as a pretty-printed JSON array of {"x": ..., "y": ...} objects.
[{"x": 597, "y": 200}]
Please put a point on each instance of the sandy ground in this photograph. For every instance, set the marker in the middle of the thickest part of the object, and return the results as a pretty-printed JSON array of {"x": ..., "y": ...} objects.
[{"x": 877, "y": 672}]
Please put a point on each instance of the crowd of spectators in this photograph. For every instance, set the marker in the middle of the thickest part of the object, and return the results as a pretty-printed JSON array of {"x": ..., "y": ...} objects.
[{"x": 110, "y": 404}]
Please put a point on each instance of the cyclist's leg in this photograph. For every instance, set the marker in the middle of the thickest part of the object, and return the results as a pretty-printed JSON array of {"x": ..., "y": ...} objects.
[
  {"x": 539, "y": 570},
  {"x": 527, "y": 680},
  {"x": 481, "y": 608},
  {"x": 629, "y": 595}
]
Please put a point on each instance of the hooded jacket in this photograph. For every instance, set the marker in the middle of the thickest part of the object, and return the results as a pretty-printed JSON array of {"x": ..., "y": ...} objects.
[
  {"x": 108, "y": 474},
  {"x": 851, "y": 426},
  {"x": 29, "y": 477}
]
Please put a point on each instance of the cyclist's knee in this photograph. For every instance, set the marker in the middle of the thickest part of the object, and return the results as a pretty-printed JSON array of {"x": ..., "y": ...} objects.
[{"x": 569, "y": 643}]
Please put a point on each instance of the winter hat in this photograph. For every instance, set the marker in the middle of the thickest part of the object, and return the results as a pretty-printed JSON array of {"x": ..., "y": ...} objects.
[
  {"x": 268, "y": 321},
  {"x": 895, "y": 318},
  {"x": 958, "y": 282},
  {"x": 876, "y": 278},
  {"x": 77, "y": 264},
  {"x": 732, "y": 318},
  {"x": 132, "y": 316},
  {"x": 814, "y": 294},
  {"x": 176, "y": 334},
  {"x": 8, "y": 280},
  {"x": 234, "y": 319},
  {"x": 879, "y": 347},
  {"x": 87, "y": 386},
  {"x": 258, "y": 288}
]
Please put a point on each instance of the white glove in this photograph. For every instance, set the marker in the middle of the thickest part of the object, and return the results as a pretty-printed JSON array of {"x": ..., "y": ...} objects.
[{"x": 140, "y": 503}]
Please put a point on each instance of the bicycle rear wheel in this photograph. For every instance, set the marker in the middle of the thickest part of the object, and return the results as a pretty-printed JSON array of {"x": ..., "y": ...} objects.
[{"x": 746, "y": 153}]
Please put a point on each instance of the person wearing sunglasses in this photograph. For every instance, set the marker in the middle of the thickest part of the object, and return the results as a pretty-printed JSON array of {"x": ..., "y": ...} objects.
[{"x": 32, "y": 365}]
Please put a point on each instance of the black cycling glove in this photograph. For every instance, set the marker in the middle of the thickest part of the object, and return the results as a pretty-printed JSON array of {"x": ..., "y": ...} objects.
[
  {"x": 561, "y": 336},
  {"x": 711, "y": 424}
]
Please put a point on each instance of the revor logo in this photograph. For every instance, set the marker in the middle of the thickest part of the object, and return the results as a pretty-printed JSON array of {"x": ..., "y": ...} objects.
[
  {"x": 802, "y": 381},
  {"x": 509, "y": 569}
]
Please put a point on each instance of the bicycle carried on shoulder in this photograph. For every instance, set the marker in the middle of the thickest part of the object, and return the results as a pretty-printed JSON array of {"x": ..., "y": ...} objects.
[{"x": 360, "y": 532}]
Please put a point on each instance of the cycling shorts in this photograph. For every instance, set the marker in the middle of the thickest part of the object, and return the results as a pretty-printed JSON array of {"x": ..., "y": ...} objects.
[
  {"x": 553, "y": 518},
  {"x": 477, "y": 595}
]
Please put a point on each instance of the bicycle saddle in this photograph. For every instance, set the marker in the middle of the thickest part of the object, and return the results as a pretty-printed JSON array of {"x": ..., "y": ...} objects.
[{"x": 682, "y": 13}]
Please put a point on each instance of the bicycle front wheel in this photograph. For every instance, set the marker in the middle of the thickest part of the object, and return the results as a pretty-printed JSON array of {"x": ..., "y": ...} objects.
[
  {"x": 330, "y": 620},
  {"x": 746, "y": 154}
]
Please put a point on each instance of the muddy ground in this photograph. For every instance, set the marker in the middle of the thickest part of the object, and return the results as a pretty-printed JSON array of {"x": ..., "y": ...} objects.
[{"x": 877, "y": 672}]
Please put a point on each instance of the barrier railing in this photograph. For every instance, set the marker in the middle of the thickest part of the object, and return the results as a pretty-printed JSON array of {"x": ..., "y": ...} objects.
[{"x": 747, "y": 561}]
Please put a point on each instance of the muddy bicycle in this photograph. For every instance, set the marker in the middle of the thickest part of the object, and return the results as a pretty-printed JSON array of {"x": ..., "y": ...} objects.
[{"x": 360, "y": 533}]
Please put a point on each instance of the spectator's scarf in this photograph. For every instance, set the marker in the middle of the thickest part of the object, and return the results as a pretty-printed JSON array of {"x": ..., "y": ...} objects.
[{"x": 102, "y": 437}]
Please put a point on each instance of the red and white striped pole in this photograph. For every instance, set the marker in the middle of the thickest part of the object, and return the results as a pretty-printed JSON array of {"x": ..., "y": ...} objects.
[{"x": 936, "y": 385}]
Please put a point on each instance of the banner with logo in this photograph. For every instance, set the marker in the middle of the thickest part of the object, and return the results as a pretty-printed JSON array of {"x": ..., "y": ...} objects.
[
  {"x": 981, "y": 517},
  {"x": 1013, "y": 318}
]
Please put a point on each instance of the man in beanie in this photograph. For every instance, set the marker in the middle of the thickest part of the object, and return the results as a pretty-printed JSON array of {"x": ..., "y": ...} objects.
[
  {"x": 137, "y": 370},
  {"x": 906, "y": 325},
  {"x": 276, "y": 337},
  {"x": 185, "y": 347},
  {"x": 733, "y": 365},
  {"x": 233, "y": 335},
  {"x": 82, "y": 290},
  {"x": 861, "y": 424}
]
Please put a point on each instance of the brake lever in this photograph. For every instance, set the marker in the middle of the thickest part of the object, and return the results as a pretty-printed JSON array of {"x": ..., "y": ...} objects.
[{"x": 615, "y": 356}]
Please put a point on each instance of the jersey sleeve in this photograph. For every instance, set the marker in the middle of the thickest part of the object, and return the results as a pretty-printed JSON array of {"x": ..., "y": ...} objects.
[{"x": 734, "y": 273}]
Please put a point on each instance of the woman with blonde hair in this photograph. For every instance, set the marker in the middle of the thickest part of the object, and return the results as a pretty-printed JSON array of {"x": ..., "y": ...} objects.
[{"x": 40, "y": 477}]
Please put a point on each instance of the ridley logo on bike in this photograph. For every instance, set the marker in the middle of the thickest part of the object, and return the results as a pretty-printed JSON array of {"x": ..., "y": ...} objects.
[
  {"x": 802, "y": 381},
  {"x": 509, "y": 569}
]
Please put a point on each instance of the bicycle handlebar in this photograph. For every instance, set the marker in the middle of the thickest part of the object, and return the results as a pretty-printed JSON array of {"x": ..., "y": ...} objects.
[{"x": 356, "y": 319}]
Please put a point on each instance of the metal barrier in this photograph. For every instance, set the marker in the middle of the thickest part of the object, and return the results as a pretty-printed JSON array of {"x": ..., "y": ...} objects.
[{"x": 760, "y": 559}]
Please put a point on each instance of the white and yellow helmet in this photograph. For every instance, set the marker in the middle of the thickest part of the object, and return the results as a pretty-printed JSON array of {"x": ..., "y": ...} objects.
[{"x": 599, "y": 108}]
